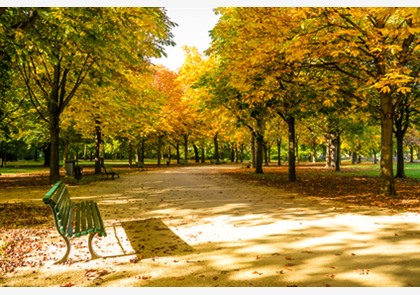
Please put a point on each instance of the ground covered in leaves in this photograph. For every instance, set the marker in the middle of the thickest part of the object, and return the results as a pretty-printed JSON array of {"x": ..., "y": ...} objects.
[
  {"x": 324, "y": 183},
  {"x": 28, "y": 237}
]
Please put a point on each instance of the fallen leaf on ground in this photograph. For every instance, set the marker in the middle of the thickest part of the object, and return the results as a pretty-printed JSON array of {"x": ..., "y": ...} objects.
[
  {"x": 362, "y": 271},
  {"x": 95, "y": 273}
]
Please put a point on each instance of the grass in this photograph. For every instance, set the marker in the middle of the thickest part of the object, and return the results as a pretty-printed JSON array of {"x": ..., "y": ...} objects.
[
  {"x": 412, "y": 170},
  {"x": 367, "y": 169}
]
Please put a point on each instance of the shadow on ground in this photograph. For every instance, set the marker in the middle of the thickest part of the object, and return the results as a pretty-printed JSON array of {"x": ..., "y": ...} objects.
[{"x": 152, "y": 238}]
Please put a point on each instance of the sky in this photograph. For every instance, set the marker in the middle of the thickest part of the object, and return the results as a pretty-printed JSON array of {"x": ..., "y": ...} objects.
[{"x": 193, "y": 29}]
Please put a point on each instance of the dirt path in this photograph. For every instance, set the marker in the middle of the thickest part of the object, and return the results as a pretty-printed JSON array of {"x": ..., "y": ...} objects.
[{"x": 193, "y": 227}]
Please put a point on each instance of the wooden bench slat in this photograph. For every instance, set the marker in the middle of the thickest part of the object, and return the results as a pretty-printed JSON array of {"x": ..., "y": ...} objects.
[
  {"x": 83, "y": 218},
  {"x": 77, "y": 222},
  {"x": 69, "y": 231},
  {"x": 89, "y": 213}
]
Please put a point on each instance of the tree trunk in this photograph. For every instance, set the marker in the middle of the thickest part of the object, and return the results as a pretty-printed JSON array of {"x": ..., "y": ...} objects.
[
  {"x": 178, "y": 156},
  {"x": 142, "y": 150},
  {"x": 159, "y": 150},
  {"x": 400, "y": 153},
  {"x": 185, "y": 149},
  {"x": 279, "y": 151},
  {"x": 375, "y": 159},
  {"x": 253, "y": 151},
  {"x": 130, "y": 153},
  {"x": 232, "y": 154},
  {"x": 292, "y": 158},
  {"x": 314, "y": 153},
  {"x": 388, "y": 187},
  {"x": 196, "y": 154},
  {"x": 337, "y": 154},
  {"x": 203, "y": 152},
  {"x": 259, "y": 157},
  {"x": 216, "y": 158},
  {"x": 98, "y": 147},
  {"x": 54, "y": 151},
  {"x": 3, "y": 154},
  {"x": 353, "y": 157},
  {"x": 85, "y": 151}
]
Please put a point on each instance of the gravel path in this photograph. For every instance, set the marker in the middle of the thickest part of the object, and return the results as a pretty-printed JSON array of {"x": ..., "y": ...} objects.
[{"x": 193, "y": 227}]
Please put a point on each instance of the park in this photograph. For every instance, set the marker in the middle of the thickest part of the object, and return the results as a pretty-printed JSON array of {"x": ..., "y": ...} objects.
[{"x": 285, "y": 155}]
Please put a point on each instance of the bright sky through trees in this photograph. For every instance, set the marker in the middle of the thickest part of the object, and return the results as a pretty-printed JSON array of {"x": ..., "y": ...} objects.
[{"x": 193, "y": 29}]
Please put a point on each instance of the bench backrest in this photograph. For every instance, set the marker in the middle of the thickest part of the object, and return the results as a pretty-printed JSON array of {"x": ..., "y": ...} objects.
[{"x": 58, "y": 198}]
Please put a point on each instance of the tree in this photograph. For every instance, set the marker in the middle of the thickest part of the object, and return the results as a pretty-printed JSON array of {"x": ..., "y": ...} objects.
[
  {"x": 66, "y": 45},
  {"x": 377, "y": 49}
]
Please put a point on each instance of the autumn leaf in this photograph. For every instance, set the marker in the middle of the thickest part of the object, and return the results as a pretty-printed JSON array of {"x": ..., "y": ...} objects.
[
  {"x": 362, "y": 271},
  {"x": 93, "y": 274}
]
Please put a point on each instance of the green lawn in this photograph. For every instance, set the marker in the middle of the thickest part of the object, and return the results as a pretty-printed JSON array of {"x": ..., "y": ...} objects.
[{"x": 412, "y": 170}]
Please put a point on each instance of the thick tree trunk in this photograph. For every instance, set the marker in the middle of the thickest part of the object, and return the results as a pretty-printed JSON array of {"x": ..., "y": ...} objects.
[
  {"x": 54, "y": 151},
  {"x": 388, "y": 187},
  {"x": 259, "y": 157}
]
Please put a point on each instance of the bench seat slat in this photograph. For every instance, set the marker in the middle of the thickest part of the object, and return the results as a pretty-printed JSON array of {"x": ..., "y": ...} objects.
[
  {"x": 77, "y": 222},
  {"x": 70, "y": 225},
  {"x": 83, "y": 218}
]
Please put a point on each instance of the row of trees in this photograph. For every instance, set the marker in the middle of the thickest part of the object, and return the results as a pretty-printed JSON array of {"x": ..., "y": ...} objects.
[
  {"x": 339, "y": 66},
  {"x": 50, "y": 56},
  {"x": 336, "y": 78}
]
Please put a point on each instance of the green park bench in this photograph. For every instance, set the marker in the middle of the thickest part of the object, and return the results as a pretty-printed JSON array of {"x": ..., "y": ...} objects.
[
  {"x": 110, "y": 172},
  {"x": 74, "y": 219}
]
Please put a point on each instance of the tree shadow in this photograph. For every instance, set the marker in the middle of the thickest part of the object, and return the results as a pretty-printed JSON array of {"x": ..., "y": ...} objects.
[{"x": 153, "y": 238}]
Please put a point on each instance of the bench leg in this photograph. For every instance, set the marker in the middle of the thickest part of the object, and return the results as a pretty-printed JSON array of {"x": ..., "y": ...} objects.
[
  {"x": 93, "y": 254},
  {"x": 66, "y": 255}
]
